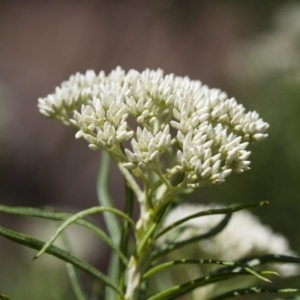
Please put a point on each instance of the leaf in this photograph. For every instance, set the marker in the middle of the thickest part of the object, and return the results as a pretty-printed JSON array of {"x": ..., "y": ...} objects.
[
  {"x": 253, "y": 290},
  {"x": 76, "y": 284},
  {"x": 104, "y": 198},
  {"x": 33, "y": 243},
  {"x": 62, "y": 216},
  {"x": 181, "y": 289},
  {"x": 163, "y": 266},
  {"x": 169, "y": 247},
  {"x": 217, "y": 211},
  {"x": 80, "y": 215},
  {"x": 4, "y": 297},
  {"x": 254, "y": 261}
]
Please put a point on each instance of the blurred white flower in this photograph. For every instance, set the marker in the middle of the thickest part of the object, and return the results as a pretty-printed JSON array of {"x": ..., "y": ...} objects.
[
  {"x": 204, "y": 133},
  {"x": 275, "y": 52},
  {"x": 244, "y": 236}
]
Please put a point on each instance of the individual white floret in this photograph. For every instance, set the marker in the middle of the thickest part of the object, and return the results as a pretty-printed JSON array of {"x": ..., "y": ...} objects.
[{"x": 146, "y": 147}]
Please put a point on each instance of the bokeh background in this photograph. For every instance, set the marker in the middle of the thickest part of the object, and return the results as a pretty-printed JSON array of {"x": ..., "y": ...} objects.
[{"x": 250, "y": 48}]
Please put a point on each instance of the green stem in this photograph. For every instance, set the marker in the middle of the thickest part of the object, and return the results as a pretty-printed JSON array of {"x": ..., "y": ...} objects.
[
  {"x": 148, "y": 197},
  {"x": 150, "y": 231},
  {"x": 164, "y": 179},
  {"x": 131, "y": 182},
  {"x": 129, "y": 204},
  {"x": 112, "y": 223},
  {"x": 140, "y": 260}
]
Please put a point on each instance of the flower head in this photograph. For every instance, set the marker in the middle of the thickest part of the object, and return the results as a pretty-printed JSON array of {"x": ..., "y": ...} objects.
[{"x": 201, "y": 132}]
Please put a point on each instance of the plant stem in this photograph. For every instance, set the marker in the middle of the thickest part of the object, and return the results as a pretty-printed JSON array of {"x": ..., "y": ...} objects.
[
  {"x": 129, "y": 204},
  {"x": 141, "y": 258},
  {"x": 136, "y": 268}
]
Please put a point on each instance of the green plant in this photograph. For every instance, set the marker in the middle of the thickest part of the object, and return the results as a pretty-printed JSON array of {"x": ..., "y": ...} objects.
[{"x": 187, "y": 136}]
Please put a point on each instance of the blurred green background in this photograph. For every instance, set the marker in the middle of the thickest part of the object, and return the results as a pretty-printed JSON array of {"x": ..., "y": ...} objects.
[{"x": 250, "y": 49}]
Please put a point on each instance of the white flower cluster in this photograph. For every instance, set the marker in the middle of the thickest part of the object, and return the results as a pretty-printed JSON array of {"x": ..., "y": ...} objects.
[
  {"x": 244, "y": 236},
  {"x": 204, "y": 133}
]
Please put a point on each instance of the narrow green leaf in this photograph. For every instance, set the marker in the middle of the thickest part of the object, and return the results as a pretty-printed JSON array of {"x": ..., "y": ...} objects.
[
  {"x": 289, "y": 298},
  {"x": 171, "y": 246},
  {"x": 116, "y": 270},
  {"x": 75, "y": 283},
  {"x": 113, "y": 274},
  {"x": 73, "y": 276},
  {"x": 4, "y": 297},
  {"x": 254, "y": 261},
  {"x": 169, "y": 264},
  {"x": 112, "y": 222},
  {"x": 226, "y": 210},
  {"x": 81, "y": 215},
  {"x": 62, "y": 216},
  {"x": 253, "y": 290},
  {"x": 181, "y": 289},
  {"x": 59, "y": 253},
  {"x": 104, "y": 198}
]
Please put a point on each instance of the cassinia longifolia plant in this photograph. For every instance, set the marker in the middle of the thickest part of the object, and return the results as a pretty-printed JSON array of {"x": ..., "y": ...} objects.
[{"x": 168, "y": 136}]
